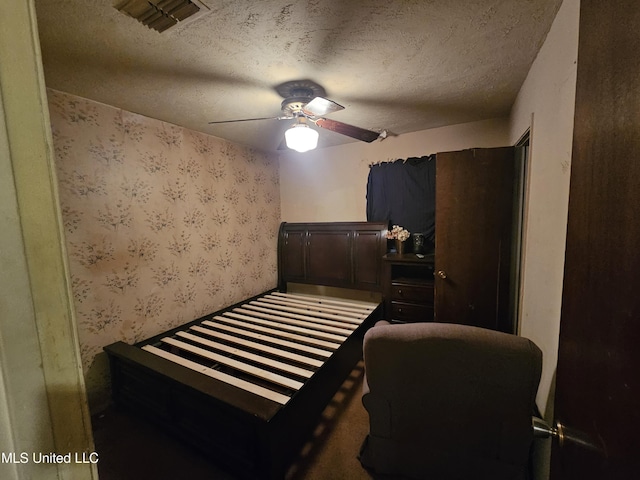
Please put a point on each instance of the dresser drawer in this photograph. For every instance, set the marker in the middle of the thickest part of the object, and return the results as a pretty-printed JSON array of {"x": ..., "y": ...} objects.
[
  {"x": 422, "y": 293},
  {"x": 411, "y": 312}
]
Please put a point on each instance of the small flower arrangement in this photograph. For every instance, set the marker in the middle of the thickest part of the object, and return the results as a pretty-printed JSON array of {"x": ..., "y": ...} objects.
[{"x": 398, "y": 233}]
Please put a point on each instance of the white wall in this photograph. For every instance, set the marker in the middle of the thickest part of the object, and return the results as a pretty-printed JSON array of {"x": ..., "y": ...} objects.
[
  {"x": 548, "y": 97},
  {"x": 329, "y": 185}
]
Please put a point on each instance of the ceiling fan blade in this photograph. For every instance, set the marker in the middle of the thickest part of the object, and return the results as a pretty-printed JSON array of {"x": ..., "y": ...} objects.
[
  {"x": 321, "y": 106},
  {"x": 348, "y": 130},
  {"x": 252, "y": 119}
]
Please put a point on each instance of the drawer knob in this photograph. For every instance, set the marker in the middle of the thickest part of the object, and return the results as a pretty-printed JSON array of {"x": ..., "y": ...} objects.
[
  {"x": 442, "y": 274},
  {"x": 400, "y": 291}
]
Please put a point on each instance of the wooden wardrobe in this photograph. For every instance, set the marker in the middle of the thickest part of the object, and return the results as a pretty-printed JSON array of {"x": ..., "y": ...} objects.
[{"x": 467, "y": 279}]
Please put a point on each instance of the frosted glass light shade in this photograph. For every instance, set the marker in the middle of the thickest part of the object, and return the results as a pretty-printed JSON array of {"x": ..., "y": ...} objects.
[{"x": 301, "y": 138}]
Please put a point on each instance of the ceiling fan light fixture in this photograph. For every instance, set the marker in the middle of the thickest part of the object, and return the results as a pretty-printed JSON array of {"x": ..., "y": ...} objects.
[{"x": 301, "y": 138}]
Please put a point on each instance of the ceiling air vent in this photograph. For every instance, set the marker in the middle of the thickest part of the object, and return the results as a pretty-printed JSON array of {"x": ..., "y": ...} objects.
[{"x": 161, "y": 14}]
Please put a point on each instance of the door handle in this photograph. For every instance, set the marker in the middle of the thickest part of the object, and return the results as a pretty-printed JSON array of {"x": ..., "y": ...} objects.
[
  {"x": 564, "y": 435},
  {"x": 442, "y": 274},
  {"x": 542, "y": 429}
]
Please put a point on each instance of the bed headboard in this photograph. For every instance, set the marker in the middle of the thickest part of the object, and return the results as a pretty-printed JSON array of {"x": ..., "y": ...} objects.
[{"x": 336, "y": 254}]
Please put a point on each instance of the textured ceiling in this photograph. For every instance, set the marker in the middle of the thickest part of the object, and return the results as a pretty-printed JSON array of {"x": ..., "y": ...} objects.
[{"x": 397, "y": 65}]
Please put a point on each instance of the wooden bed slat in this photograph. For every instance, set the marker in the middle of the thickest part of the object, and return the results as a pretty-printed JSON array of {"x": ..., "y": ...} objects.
[
  {"x": 307, "y": 306},
  {"x": 370, "y": 307},
  {"x": 301, "y": 311},
  {"x": 268, "y": 338},
  {"x": 348, "y": 322},
  {"x": 281, "y": 323},
  {"x": 301, "y": 320},
  {"x": 285, "y": 367},
  {"x": 258, "y": 346},
  {"x": 223, "y": 377},
  {"x": 236, "y": 364},
  {"x": 245, "y": 321},
  {"x": 324, "y": 302}
]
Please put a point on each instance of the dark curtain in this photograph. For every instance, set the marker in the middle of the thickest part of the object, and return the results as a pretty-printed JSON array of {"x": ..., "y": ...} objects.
[{"x": 404, "y": 193}]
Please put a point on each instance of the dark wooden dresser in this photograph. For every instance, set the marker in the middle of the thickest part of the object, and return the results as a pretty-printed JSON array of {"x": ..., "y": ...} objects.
[{"x": 408, "y": 287}]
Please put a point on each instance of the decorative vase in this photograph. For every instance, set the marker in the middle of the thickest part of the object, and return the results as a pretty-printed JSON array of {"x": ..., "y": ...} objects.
[
  {"x": 418, "y": 243},
  {"x": 399, "y": 247}
]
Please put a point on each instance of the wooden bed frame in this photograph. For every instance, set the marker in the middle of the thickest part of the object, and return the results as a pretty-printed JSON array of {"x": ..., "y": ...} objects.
[{"x": 257, "y": 435}]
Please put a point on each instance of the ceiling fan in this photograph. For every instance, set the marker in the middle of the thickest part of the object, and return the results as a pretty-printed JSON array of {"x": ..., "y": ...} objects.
[{"x": 304, "y": 102}]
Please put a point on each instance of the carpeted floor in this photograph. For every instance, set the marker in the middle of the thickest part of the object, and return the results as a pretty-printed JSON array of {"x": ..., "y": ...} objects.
[{"x": 130, "y": 449}]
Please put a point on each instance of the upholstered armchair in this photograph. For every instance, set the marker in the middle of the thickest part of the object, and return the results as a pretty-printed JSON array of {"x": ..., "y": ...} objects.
[{"x": 448, "y": 401}]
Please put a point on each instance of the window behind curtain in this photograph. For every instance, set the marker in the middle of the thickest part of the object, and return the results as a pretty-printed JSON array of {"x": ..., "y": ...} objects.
[{"x": 404, "y": 193}]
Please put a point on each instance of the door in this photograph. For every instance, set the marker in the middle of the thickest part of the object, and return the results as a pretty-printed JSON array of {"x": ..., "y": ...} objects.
[
  {"x": 474, "y": 215},
  {"x": 598, "y": 375}
]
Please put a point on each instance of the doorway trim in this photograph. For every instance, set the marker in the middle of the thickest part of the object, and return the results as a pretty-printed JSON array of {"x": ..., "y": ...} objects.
[
  {"x": 43, "y": 403},
  {"x": 520, "y": 210}
]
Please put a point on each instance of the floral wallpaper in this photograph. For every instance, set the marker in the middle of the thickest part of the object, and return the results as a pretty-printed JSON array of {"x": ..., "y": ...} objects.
[{"x": 162, "y": 225}]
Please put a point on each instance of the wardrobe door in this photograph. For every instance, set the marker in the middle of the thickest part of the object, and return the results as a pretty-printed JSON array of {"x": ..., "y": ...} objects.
[{"x": 474, "y": 207}]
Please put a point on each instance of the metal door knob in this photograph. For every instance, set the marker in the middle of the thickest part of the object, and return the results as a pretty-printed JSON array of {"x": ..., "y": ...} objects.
[
  {"x": 563, "y": 434},
  {"x": 442, "y": 274}
]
